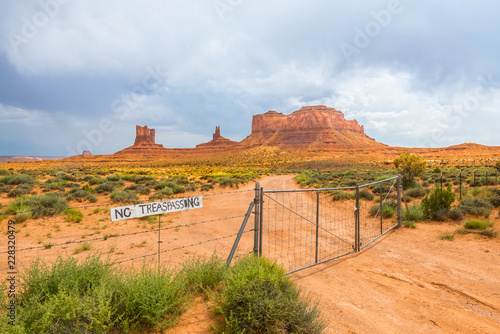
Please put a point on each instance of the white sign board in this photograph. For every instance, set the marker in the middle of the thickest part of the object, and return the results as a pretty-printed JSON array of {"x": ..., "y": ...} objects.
[{"x": 156, "y": 208}]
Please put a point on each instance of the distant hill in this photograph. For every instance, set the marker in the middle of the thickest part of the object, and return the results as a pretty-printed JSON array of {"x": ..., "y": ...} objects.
[{"x": 8, "y": 158}]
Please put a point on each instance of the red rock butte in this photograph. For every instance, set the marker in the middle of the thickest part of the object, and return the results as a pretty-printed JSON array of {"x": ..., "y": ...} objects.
[{"x": 317, "y": 126}]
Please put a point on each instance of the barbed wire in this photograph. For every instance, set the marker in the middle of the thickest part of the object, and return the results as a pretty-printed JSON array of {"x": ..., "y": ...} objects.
[
  {"x": 106, "y": 237},
  {"x": 129, "y": 260}
]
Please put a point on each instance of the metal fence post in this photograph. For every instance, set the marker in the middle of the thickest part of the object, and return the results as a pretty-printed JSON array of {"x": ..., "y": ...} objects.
[
  {"x": 357, "y": 241},
  {"x": 261, "y": 220},
  {"x": 317, "y": 226},
  {"x": 257, "y": 218},
  {"x": 400, "y": 216},
  {"x": 381, "y": 210}
]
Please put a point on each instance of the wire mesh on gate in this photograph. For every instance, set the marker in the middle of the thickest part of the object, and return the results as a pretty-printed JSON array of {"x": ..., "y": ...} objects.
[
  {"x": 379, "y": 216},
  {"x": 302, "y": 228}
]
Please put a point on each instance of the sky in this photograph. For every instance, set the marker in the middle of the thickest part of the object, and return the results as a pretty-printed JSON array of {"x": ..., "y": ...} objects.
[{"x": 79, "y": 75}]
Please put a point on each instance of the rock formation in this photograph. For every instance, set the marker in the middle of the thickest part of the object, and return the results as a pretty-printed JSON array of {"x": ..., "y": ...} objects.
[
  {"x": 309, "y": 126},
  {"x": 144, "y": 143},
  {"x": 218, "y": 142},
  {"x": 144, "y": 135}
]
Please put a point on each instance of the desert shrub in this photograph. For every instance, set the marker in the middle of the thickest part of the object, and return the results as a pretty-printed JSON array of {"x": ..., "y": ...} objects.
[
  {"x": 439, "y": 201},
  {"x": 441, "y": 214},
  {"x": 126, "y": 196},
  {"x": 410, "y": 166},
  {"x": 73, "y": 215},
  {"x": 17, "y": 179},
  {"x": 46, "y": 205},
  {"x": 22, "y": 189},
  {"x": 259, "y": 298},
  {"x": 389, "y": 209},
  {"x": 202, "y": 273},
  {"x": 416, "y": 213},
  {"x": 416, "y": 192},
  {"x": 4, "y": 172},
  {"x": 66, "y": 177},
  {"x": 384, "y": 188},
  {"x": 96, "y": 180},
  {"x": 5, "y": 189},
  {"x": 139, "y": 189},
  {"x": 227, "y": 180},
  {"x": 456, "y": 214},
  {"x": 114, "y": 178},
  {"x": 365, "y": 194},
  {"x": 207, "y": 187},
  {"x": 144, "y": 179},
  {"x": 447, "y": 236},
  {"x": 91, "y": 296},
  {"x": 477, "y": 224},
  {"x": 495, "y": 201},
  {"x": 338, "y": 195},
  {"x": 104, "y": 188},
  {"x": 81, "y": 194},
  {"x": 147, "y": 299},
  {"x": 476, "y": 206},
  {"x": 178, "y": 189},
  {"x": 162, "y": 193}
]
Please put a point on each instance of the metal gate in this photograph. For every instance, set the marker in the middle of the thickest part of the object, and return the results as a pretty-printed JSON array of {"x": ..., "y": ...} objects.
[{"x": 302, "y": 228}]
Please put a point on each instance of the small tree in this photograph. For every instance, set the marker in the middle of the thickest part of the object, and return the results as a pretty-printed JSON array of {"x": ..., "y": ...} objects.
[
  {"x": 438, "y": 203},
  {"x": 409, "y": 166}
]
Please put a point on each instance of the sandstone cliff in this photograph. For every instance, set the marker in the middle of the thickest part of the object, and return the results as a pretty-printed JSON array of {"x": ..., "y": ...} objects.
[{"x": 309, "y": 126}]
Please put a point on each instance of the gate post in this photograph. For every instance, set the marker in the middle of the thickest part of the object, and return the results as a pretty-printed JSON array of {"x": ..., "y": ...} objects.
[
  {"x": 357, "y": 241},
  {"x": 400, "y": 187},
  {"x": 257, "y": 201},
  {"x": 317, "y": 227}
]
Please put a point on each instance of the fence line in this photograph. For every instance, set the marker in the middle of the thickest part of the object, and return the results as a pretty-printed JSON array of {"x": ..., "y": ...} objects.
[{"x": 128, "y": 234}]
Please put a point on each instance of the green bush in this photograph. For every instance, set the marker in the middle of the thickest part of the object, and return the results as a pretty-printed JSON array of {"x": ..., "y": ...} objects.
[
  {"x": 477, "y": 224},
  {"x": 73, "y": 215},
  {"x": 126, "y": 196},
  {"x": 476, "y": 206},
  {"x": 259, "y": 298},
  {"x": 365, "y": 194},
  {"x": 438, "y": 202},
  {"x": 94, "y": 297},
  {"x": 79, "y": 195},
  {"x": 21, "y": 190},
  {"x": 416, "y": 213},
  {"x": 338, "y": 195},
  {"x": 47, "y": 205},
  {"x": 456, "y": 214},
  {"x": 4, "y": 172},
  {"x": 17, "y": 179},
  {"x": 139, "y": 189},
  {"x": 416, "y": 192},
  {"x": 201, "y": 274},
  {"x": 389, "y": 209},
  {"x": 105, "y": 188}
]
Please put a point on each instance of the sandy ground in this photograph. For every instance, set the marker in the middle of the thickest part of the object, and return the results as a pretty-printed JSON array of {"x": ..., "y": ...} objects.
[{"x": 409, "y": 281}]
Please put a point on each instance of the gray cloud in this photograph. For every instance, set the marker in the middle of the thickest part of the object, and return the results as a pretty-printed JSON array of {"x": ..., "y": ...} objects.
[{"x": 411, "y": 69}]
